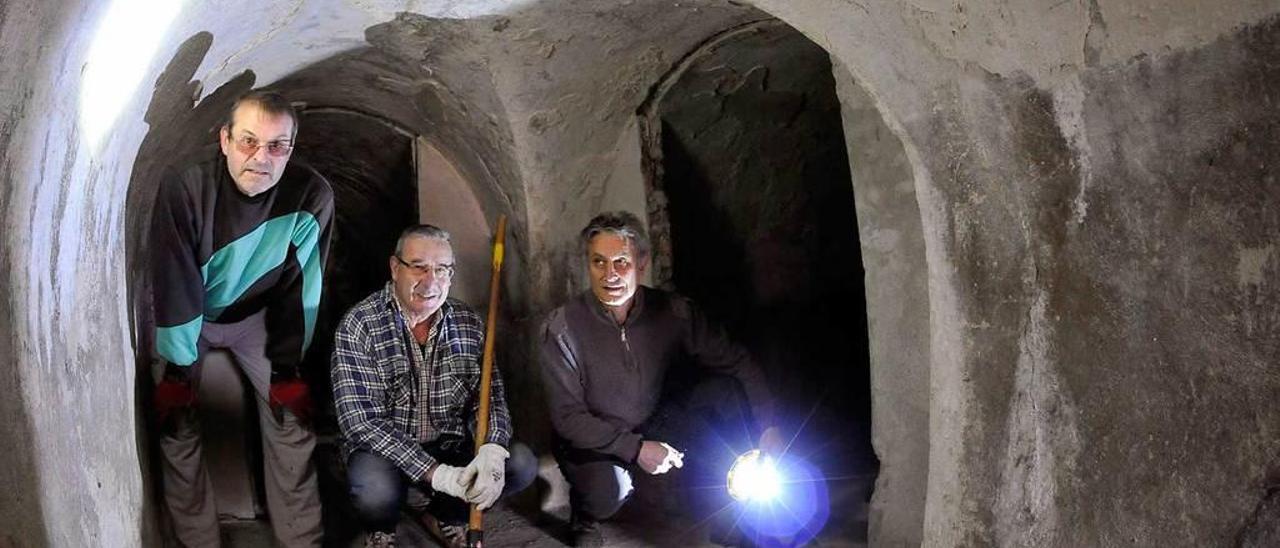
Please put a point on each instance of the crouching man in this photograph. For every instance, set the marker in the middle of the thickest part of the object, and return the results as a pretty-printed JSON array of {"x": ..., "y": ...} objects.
[
  {"x": 639, "y": 378},
  {"x": 406, "y": 382}
]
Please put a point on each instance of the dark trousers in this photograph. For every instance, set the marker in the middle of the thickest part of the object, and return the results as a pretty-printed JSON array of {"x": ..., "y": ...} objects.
[
  {"x": 709, "y": 422},
  {"x": 379, "y": 489}
]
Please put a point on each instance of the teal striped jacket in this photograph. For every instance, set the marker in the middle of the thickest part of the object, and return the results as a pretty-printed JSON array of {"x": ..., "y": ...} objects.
[{"x": 219, "y": 256}]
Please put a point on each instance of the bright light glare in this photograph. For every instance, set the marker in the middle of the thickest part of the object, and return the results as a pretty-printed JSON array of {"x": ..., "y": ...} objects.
[
  {"x": 121, "y": 52},
  {"x": 754, "y": 477}
]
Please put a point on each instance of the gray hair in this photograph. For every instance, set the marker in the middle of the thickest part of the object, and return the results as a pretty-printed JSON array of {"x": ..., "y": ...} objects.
[
  {"x": 421, "y": 231},
  {"x": 622, "y": 224}
]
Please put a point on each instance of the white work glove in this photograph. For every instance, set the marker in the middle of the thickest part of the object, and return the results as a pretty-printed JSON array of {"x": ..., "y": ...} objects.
[
  {"x": 452, "y": 480},
  {"x": 490, "y": 465}
]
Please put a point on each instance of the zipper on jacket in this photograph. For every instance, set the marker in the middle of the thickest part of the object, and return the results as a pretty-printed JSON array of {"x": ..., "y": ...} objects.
[{"x": 630, "y": 360}]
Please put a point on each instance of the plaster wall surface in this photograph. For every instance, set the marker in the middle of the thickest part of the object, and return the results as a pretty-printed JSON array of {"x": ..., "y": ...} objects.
[
  {"x": 897, "y": 294},
  {"x": 445, "y": 200},
  {"x": 1095, "y": 182}
]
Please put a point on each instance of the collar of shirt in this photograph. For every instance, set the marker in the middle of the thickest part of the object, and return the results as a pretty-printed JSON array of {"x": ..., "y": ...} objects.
[
  {"x": 389, "y": 297},
  {"x": 602, "y": 312}
]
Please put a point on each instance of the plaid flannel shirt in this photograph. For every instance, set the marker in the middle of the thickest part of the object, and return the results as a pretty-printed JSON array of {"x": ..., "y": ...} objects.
[{"x": 375, "y": 388}]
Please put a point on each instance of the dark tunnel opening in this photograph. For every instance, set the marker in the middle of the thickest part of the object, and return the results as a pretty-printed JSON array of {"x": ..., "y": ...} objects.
[
  {"x": 764, "y": 236},
  {"x": 369, "y": 162}
]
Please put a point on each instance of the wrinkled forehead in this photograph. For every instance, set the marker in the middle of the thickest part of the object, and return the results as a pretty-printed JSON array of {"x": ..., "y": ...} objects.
[
  {"x": 249, "y": 118},
  {"x": 425, "y": 249},
  {"x": 610, "y": 245}
]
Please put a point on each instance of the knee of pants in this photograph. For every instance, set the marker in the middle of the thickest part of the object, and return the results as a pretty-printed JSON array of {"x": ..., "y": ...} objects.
[
  {"x": 521, "y": 469},
  {"x": 377, "y": 489},
  {"x": 723, "y": 393},
  {"x": 601, "y": 489}
]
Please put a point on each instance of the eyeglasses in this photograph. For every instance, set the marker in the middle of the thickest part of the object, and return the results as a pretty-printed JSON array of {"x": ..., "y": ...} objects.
[
  {"x": 249, "y": 145},
  {"x": 440, "y": 271}
]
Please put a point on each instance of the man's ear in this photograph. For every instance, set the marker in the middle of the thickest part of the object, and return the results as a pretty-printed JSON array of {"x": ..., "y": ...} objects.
[
  {"x": 224, "y": 140},
  {"x": 642, "y": 265}
]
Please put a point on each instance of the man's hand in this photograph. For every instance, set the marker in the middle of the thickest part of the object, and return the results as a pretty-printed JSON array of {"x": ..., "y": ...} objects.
[
  {"x": 289, "y": 391},
  {"x": 491, "y": 466},
  {"x": 657, "y": 457},
  {"x": 772, "y": 442},
  {"x": 174, "y": 393},
  {"x": 452, "y": 480}
]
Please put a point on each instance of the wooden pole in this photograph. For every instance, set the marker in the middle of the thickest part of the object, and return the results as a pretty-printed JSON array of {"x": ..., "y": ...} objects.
[{"x": 475, "y": 525}]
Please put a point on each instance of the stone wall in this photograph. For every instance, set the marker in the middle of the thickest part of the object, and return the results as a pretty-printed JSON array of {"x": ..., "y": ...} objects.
[{"x": 1098, "y": 267}]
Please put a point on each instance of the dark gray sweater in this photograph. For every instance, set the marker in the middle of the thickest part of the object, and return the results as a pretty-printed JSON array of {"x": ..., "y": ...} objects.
[{"x": 603, "y": 380}]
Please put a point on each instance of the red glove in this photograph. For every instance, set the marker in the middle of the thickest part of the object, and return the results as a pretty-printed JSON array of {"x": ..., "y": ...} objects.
[
  {"x": 291, "y": 394},
  {"x": 173, "y": 394}
]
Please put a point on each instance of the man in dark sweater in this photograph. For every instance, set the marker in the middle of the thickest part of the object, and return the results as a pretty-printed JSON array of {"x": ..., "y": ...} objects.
[
  {"x": 238, "y": 250},
  {"x": 638, "y": 377}
]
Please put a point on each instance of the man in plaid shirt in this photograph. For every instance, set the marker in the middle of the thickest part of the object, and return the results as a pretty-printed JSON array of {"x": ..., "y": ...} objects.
[{"x": 406, "y": 383}]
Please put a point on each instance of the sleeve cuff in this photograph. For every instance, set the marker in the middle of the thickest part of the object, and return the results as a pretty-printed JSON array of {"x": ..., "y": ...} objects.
[
  {"x": 418, "y": 465},
  {"x": 629, "y": 447}
]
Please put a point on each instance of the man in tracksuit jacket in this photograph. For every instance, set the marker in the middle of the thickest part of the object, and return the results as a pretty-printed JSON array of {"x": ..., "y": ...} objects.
[
  {"x": 238, "y": 250},
  {"x": 639, "y": 377}
]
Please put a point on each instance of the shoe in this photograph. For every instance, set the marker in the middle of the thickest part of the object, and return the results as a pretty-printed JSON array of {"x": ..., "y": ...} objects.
[
  {"x": 379, "y": 539},
  {"x": 585, "y": 534},
  {"x": 449, "y": 535}
]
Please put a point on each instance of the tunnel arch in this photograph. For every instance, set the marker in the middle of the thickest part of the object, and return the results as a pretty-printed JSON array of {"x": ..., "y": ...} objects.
[
  {"x": 504, "y": 177},
  {"x": 373, "y": 159},
  {"x": 890, "y": 234}
]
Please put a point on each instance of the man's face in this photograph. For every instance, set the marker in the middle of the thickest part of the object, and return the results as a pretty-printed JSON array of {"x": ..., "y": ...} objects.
[
  {"x": 257, "y": 146},
  {"x": 614, "y": 268},
  {"x": 423, "y": 284}
]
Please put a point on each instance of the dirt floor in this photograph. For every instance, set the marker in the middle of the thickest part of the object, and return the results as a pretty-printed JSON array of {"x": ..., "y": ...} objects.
[{"x": 642, "y": 522}]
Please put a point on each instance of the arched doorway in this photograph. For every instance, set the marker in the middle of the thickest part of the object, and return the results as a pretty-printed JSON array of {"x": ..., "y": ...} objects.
[{"x": 764, "y": 166}]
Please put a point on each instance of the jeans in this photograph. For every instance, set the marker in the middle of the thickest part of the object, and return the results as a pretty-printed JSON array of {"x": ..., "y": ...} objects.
[{"x": 379, "y": 488}]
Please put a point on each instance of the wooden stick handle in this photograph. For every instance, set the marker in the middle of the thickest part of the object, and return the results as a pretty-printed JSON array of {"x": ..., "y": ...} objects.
[{"x": 475, "y": 525}]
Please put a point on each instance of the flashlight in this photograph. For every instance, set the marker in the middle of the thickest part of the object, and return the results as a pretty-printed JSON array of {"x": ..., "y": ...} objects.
[{"x": 754, "y": 477}]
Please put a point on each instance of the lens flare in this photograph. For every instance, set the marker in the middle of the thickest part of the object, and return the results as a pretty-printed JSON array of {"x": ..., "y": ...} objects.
[
  {"x": 784, "y": 498},
  {"x": 754, "y": 477}
]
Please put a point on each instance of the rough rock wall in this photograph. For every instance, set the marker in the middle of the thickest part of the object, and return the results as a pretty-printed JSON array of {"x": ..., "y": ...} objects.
[
  {"x": 21, "y": 514},
  {"x": 1099, "y": 216},
  {"x": 70, "y": 466},
  {"x": 571, "y": 75}
]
